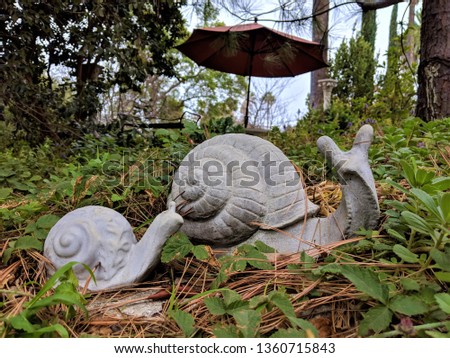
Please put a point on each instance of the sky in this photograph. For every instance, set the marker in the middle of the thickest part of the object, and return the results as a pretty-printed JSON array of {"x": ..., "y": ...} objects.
[{"x": 295, "y": 90}]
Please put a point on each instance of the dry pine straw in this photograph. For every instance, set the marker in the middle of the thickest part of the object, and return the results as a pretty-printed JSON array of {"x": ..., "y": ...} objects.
[{"x": 334, "y": 306}]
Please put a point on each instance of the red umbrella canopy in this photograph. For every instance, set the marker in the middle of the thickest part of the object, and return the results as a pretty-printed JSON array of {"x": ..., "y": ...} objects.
[{"x": 253, "y": 50}]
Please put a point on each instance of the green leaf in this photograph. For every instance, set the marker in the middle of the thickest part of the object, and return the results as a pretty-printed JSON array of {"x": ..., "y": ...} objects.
[
  {"x": 200, "y": 252},
  {"x": 439, "y": 184},
  {"x": 405, "y": 254},
  {"x": 409, "y": 172},
  {"x": 52, "y": 328},
  {"x": 177, "y": 246},
  {"x": 116, "y": 197},
  {"x": 254, "y": 257},
  {"x": 423, "y": 177},
  {"x": 397, "y": 186},
  {"x": 68, "y": 299},
  {"x": 185, "y": 321},
  {"x": 428, "y": 201},
  {"x": 228, "y": 331},
  {"x": 306, "y": 260},
  {"x": 288, "y": 333},
  {"x": 4, "y": 193},
  {"x": 409, "y": 284},
  {"x": 47, "y": 221},
  {"x": 366, "y": 281},
  {"x": 230, "y": 296},
  {"x": 442, "y": 259},
  {"x": 444, "y": 203},
  {"x": 307, "y": 326},
  {"x": 408, "y": 305},
  {"x": 416, "y": 222},
  {"x": 247, "y": 321},
  {"x": 443, "y": 300},
  {"x": 261, "y": 246},
  {"x": 51, "y": 282},
  {"x": 215, "y": 306},
  {"x": 376, "y": 319},
  {"x": 21, "y": 322},
  {"x": 258, "y": 302},
  {"x": 442, "y": 276},
  {"x": 281, "y": 300},
  {"x": 237, "y": 306},
  {"x": 28, "y": 242}
]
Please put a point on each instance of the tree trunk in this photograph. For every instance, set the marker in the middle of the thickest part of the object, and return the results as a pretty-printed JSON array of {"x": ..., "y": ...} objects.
[
  {"x": 410, "y": 43},
  {"x": 319, "y": 34},
  {"x": 433, "y": 100}
]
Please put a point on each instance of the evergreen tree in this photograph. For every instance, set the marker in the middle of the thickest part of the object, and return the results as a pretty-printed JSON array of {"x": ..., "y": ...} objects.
[{"x": 354, "y": 69}]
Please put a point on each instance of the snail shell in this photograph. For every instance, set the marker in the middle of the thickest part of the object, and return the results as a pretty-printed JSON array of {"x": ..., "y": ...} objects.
[
  {"x": 230, "y": 186},
  {"x": 96, "y": 236}
]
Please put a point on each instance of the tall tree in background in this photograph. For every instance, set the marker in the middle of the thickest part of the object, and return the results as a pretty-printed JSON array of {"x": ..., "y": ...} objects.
[
  {"x": 319, "y": 34},
  {"x": 393, "y": 54},
  {"x": 369, "y": 27},
  {"x": 433, "y": 100},
  {"x": 410, "y": 39},
  {"x": 94, "y": 44},
  {"x": 369, "y": 34}
]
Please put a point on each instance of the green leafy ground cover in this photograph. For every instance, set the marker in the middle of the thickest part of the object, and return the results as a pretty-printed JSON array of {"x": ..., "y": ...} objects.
[{"x": 389, "y": 282}]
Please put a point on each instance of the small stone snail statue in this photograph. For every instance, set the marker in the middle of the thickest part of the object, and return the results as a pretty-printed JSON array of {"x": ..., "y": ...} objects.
[
  {"x": 235, "y": 188},
  {"x": 102, "y": 239},
  {"x": 230, "y": 189}
]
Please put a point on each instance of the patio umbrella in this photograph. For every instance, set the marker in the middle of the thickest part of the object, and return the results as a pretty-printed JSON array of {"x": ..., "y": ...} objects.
[{"x": 252, "y": 50}]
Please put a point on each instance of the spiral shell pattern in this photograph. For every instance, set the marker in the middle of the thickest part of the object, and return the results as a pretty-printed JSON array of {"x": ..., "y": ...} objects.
[
  {"x": 95, "y": 236},
  {"x": 230, "y": 186}
]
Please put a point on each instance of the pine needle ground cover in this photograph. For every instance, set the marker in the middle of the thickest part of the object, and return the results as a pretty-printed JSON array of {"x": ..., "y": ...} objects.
[{"x": 392, "y": 282}]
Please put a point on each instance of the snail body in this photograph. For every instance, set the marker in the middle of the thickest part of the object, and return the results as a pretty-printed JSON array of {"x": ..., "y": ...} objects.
[
  {"x": 102, "y": 239},
  {"x": 238, "y": 188}
]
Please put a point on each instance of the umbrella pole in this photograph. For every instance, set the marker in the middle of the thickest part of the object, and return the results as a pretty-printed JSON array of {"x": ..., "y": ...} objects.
[{"x": 248, "y": 102}]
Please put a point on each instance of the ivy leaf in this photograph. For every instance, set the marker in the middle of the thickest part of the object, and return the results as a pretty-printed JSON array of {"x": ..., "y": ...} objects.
[
  {"x": 408, "y": 305},
  {"x": 184, "y": 320},
  {"x": 376, "y": 319},
  {"x": 405, "y": 254},
  {"x": 366, "y": 281}
]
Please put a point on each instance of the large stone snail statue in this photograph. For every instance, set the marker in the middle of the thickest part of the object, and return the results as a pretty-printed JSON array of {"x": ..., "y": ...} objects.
[{"x": 230, "y": 189}]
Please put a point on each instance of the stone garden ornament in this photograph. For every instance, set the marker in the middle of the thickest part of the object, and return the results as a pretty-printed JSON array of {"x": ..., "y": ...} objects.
[
  {"x": 235, "y": 188},
  {"x": 230, "y": 189},
  {"x": 102, "y": 239}
]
